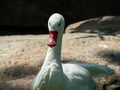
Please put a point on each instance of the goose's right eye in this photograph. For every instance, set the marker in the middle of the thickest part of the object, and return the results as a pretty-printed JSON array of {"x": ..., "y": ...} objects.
[{"x": 49, "y": 23}]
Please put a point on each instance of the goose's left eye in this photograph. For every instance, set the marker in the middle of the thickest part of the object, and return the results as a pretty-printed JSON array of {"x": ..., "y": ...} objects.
[{"x": 59, "y": 24}]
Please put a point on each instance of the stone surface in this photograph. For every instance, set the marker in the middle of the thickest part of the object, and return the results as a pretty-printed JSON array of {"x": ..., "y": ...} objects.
[{"x": 103, "y": 25}]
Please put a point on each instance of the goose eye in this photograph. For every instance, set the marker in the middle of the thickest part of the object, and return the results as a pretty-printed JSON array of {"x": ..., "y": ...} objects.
[
  {"x": 59, "y": 24},
  {"x": 49, "y": 23}
]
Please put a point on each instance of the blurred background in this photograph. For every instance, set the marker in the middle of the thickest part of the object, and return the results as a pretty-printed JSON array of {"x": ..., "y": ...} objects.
[{"x": 30, "y": 16}]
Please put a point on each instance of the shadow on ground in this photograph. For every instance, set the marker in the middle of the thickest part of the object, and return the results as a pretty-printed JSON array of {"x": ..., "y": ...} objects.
[
  {"x": 110, "y": 55},
  {"x": 18, "y": 77}
]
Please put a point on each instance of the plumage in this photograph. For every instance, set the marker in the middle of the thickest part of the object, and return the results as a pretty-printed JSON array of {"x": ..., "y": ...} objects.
[{"x": 57, "y": 76}]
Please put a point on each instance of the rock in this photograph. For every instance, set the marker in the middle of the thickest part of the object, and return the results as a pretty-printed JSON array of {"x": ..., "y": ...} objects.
[{"x": 100, "y": 25}]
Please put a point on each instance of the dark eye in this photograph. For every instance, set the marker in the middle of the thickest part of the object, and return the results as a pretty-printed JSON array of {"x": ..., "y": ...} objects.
[
  {"x": 59, "y": 24},
  {"x": 49, "y": 23}
]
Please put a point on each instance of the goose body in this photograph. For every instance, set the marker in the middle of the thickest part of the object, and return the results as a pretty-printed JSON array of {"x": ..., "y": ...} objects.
[{"x": 57, "y": 76}]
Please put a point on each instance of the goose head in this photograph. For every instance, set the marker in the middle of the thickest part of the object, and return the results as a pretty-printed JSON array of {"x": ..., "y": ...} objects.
[{"x": 56, "y": 27}]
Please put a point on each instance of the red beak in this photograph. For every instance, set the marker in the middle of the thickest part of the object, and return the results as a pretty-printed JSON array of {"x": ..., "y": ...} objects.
[{"x": 52, "y": 38}]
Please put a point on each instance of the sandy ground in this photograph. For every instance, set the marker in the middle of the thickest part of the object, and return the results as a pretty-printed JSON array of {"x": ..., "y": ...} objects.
[{"x": 21, "y": 57}]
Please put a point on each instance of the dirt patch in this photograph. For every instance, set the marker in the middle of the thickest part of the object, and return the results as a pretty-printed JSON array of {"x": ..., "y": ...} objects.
[{"x": 21, "y": 57}]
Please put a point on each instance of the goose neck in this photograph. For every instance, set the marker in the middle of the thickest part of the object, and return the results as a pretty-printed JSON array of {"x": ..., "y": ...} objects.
[{"x": 54, "y": 53}]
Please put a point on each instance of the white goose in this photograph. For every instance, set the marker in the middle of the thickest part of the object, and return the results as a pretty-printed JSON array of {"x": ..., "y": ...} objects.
[{"x": 56, "y": 76}]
